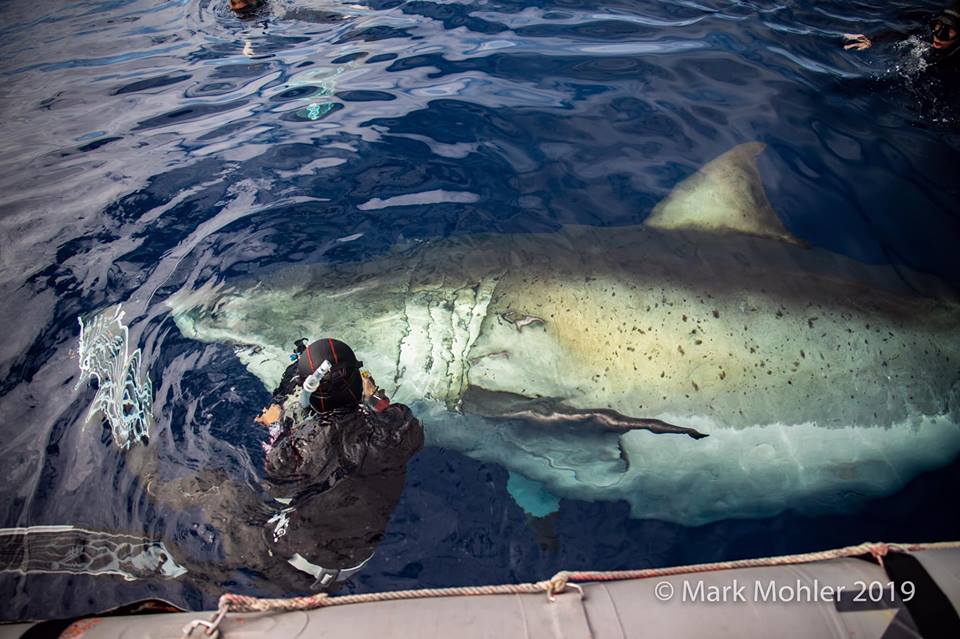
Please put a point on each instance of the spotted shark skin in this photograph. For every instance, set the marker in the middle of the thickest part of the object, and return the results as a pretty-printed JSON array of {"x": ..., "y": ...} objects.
[{"x": 711, "y": 316}]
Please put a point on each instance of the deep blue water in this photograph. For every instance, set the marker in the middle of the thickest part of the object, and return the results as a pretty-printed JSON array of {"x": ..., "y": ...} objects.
[{"x": 149, "y": 146}]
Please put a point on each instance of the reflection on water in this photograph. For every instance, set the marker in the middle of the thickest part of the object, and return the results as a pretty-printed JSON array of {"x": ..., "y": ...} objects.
[
  {"x": 76, "y": 551},
  {"x": 154, "y": 148},
  {"x": 123, "y": 398}
]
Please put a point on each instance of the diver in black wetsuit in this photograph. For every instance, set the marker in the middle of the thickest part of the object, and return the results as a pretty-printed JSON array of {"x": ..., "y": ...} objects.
[
  {"x": 334, "y": 471},
  {"x": 943, "y": 33},
  {"x": 336, "y": 462}
]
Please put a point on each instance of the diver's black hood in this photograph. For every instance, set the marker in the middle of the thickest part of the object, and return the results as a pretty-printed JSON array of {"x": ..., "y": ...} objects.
[
  {"x": 951, "y": 14},
  {"x": 342, "y": 386}
]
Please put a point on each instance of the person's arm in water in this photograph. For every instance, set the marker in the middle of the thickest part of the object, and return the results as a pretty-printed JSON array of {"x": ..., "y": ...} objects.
[
  {"x": 861, "y": 42},
  {"x": 911, "y": 24},
  {"x": 397, "y": 434},
  {"x": 375, "y": 398},
  {"x": 272, "y": 413}
]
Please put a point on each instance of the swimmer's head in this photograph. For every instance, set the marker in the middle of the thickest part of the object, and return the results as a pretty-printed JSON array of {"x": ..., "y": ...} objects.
[
  {"x": 244, "y": 6},
  {"x": 945, "y": 29},
  {"x": 331, "y": 375}
]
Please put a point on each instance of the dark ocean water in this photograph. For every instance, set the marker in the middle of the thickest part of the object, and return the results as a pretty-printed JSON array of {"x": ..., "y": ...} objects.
[{"x": 151, "y": 145}]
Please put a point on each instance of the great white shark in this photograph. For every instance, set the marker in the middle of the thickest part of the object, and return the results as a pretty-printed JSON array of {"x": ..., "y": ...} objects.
[{"x": 821, "y": 381}]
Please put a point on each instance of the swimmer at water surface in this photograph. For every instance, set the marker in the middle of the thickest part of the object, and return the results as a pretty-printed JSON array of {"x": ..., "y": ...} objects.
[{"x": 942, "y": 31}]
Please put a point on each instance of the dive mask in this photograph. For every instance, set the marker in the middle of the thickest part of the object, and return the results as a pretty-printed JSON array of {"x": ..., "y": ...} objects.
[{"x": 944, "y": 28}]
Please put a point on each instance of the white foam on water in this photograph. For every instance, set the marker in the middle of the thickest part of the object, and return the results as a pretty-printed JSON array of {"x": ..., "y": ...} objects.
[{"x": 912, "y": 57}]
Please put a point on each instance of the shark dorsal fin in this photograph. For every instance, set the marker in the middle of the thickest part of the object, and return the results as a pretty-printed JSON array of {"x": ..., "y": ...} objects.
[{"x": 725, "y": 195}]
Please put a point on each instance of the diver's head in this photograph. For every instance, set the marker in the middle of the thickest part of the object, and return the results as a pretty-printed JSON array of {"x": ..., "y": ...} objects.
[
  {"x": 945, "y": 29},
  {"x": 331, "y": 375},
  {"x": 244, "y": 7}
]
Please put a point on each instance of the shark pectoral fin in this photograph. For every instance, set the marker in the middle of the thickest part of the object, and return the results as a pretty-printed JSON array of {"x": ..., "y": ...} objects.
[
  {"x": 657, "y": 426},
  {"x": 612, "y": 420},
  {"x": 550, "y": 412},
  {"x": 724, "y": 195}
]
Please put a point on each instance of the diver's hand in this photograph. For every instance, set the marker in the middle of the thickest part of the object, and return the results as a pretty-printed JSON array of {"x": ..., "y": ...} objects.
[
  {"x": 856, "y": 41},
  {"x": 369, "y": 386},
  {"x": 269, "y": 415}
]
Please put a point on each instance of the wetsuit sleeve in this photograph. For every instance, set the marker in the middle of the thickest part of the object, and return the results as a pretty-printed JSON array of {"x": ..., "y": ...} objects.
[
  {"x": 283, "y": 453},
  {"x": 888, "y": 36},
  {"x": 397, "y": 435},
  {"x": 912, "y": 23},
  {"x": 308, "y": 457}
]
